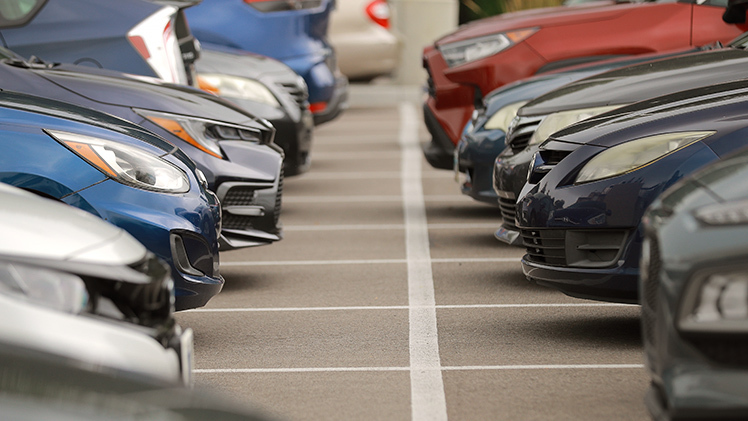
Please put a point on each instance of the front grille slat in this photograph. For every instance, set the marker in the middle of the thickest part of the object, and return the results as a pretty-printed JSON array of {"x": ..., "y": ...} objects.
[
  {"x": 521, "y": 131},
  {"x": 574, "y": 248}
]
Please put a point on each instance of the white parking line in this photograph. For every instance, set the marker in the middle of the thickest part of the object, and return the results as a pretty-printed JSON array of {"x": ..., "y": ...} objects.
[
  {"x": 370, "y": 261},
  {"x": 371, "y": 308},
  {"x": 441, "y": 369},
  {"x": 328, "y": 156},
  {"x": 377, "y": 227},
  {"x": 371, "y": 175},
  {"x": 373, "y": 198},
  {"x": 428, "y": 401}
]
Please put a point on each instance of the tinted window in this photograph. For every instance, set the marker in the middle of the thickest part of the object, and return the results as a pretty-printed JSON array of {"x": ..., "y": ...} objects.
[{"x": 18, "y": 12}]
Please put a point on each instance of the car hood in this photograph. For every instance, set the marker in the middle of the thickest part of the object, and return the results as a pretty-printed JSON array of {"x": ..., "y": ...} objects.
[
  {"x": 119, "y": 89},
  {"x": 64, "y": 110},
  {"x": 543, "y": 17},
  {"x": 220, "y": 59},
  {"x": 715, "y": 107},
  {"x": 647, "y": 80},
  {"x": 38, "y": 228}
]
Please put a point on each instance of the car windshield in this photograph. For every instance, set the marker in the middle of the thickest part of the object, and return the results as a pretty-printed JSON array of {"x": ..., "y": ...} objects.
[
  {"x": 740, "y": 42},
  {"x": 18, "y": 12}
]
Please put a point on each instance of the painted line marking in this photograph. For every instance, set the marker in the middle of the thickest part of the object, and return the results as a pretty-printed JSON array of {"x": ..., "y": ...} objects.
[
  {"x": 372, "y": 308},
  {"x": 334, "y": 156},
  {"x": 441, "y": 369},
  {"x": 372, "y": 198},
  {"x": 428, "y": 400},
  {"x": 370, "y": 261},
  {"x": 364, "y": 227},
  {"x": 372, "y": 175}
]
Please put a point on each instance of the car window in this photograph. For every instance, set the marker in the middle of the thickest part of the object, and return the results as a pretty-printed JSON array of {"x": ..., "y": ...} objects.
[
  {"x": 18, "y": 12},
  {"x": 716, "y": 3}
]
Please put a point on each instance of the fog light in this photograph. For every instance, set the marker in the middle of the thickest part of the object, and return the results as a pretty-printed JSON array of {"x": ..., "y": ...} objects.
[{"x": 716, "y": 303}]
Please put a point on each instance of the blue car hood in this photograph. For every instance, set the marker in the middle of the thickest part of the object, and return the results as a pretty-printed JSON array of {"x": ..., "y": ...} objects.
[
  {"x": 114, "y": 88},
  {"x": 647, "y": 80},
  {"x": 719, "y": 107},
  {"x": 64, "y": 110}
]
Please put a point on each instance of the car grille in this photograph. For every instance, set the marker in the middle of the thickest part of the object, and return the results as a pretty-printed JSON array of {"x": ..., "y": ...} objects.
[
  {"x": 429, "y": 80},
  {"x": 278, "y": 199},
  {"x": 649, "y": 291},
  {"x": 732, "y": 352},
  {"x": 239, "y": 196},
  {"x": 508, "y": 208},
  {"x": 521, "y": 131},
  {"x": 574, "y": 248},
  {"x": 545, "y": 246},
  {"x": 237, "y": 222},
  {"x": 552, "y": 157},
  {"x": 284, "y": 5},
  {"x": 298, "y": 93}
]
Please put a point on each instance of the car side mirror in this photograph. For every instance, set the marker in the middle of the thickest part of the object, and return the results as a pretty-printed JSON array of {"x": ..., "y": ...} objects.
[{"x": 735, "y": 12}]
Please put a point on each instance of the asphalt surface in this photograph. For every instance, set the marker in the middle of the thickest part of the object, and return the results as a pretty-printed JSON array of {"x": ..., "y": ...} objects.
[{"x": 389, "y": 299}]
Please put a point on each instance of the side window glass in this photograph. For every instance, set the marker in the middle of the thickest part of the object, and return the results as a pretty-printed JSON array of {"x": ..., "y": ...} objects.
[{"x": 18, "y": 12}]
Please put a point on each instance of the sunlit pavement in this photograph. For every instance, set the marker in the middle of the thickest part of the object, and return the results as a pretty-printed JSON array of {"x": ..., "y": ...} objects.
[{"x": 389, "y": 299}]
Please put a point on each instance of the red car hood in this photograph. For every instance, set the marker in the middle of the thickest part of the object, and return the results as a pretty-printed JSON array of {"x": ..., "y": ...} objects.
[{"x": 544, "y": 17}]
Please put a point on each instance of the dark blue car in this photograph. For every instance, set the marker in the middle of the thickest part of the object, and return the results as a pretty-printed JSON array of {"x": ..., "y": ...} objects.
[
  {"x": 581, "y": 222},
  {"x": 234, "y": 149},
  {"x": 142, "y": 37},
  {"x": 121, "y": 173},
  {"x": 294, "y": 32}
]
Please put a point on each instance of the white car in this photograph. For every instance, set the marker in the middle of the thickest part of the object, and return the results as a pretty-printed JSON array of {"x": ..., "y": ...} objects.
[
  {"x": 360, "y": 33},
  {"x": 77, "y": 287}
]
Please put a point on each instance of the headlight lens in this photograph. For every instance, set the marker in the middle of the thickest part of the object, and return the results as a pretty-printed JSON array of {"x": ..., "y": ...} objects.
[
  {"x": 717, "y": 303},
  {"x": 557, "y": 121},
  {"x": 461, "y": 52},
  {"x": 240, "y": 88},
  {"x": 502, "y": 118},
  {"x": 126, "y": 164},
  {"x": 635, "y": 154},
  {"x": 201, "y": 133},
  {"x": 732, "y": 213},
  {"x": 48, "y": 288}
]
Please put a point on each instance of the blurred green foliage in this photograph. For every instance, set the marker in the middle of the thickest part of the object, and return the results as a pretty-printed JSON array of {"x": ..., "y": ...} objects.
[{"x": 479, "y": 9}]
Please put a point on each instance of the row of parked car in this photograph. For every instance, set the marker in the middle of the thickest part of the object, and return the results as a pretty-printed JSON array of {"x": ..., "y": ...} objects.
[
  {"x": 614, "y": 140},
  {"x": 140, "y": 139}
]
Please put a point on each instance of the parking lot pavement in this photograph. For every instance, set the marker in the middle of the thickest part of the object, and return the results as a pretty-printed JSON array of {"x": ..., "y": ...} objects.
[{"x": 390, "y": 299}]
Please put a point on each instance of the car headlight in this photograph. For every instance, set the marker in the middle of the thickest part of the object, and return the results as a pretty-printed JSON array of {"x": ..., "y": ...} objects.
[
  {"x": 240, "y": 88},
  {"x": 201, "y": 133},
  {"x": 126, "y": 164},
  {"x": 502, "y": 118},
  {"x": 557, "y": 121},
  {"x": 48, "y": 288},
  {"x": 461, "y": 52},
  {"x": 717, "y": 302},
  {"x": 635, "y": 154},
  {"x": 731, "y": 213}
]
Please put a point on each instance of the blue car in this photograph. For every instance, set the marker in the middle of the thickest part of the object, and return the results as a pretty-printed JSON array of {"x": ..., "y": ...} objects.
[
  {"x": 294, "y": 32},
  {"x": 149, "y": 38},
  {"x": 694, "y": 297},
  {"x": 121, "y": 173},
  {"x": 233, "y": 149},
  {"x": 591, "y": 183}
]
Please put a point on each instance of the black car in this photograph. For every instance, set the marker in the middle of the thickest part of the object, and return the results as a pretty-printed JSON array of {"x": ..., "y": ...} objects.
[
  {"x": 694, "y": 295},
  {"x": 268, "y": 89}
]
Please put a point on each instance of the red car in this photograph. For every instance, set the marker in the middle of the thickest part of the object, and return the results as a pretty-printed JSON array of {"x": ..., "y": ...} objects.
[{"x": 486, "y": 54}]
